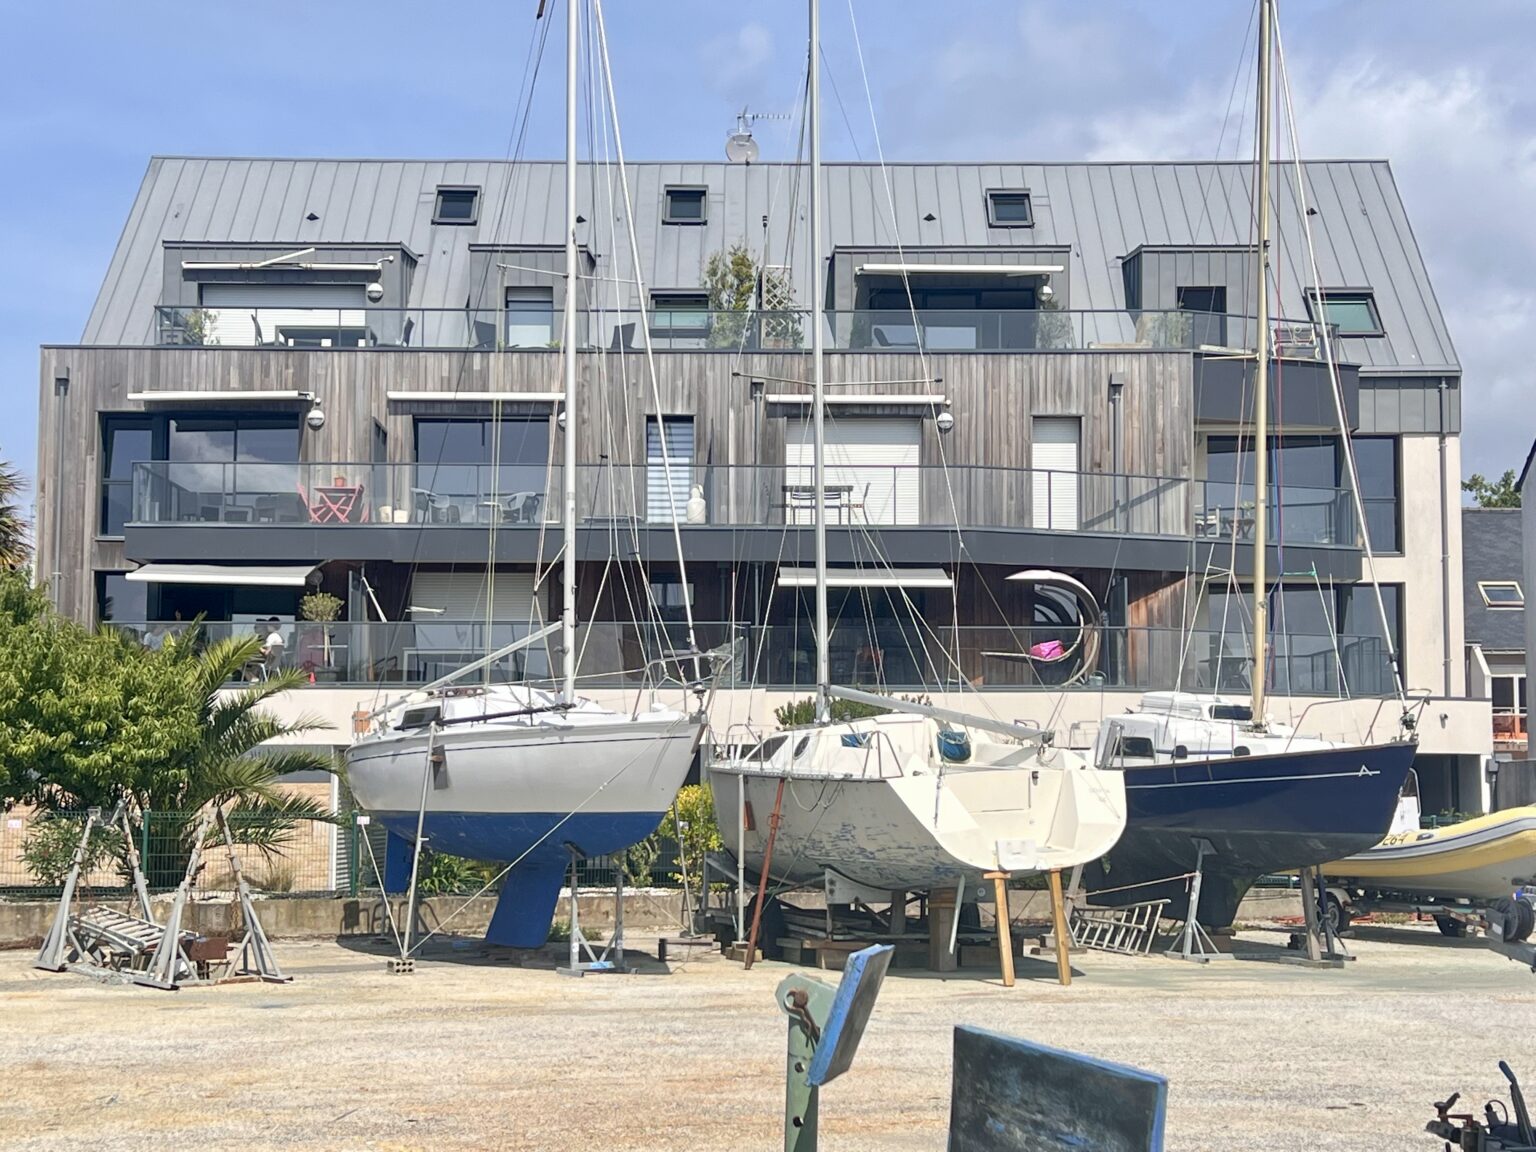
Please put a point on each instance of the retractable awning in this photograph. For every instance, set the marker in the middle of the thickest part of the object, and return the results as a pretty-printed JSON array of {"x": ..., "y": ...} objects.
[
  {"x": 246, "y": 575},
  {"x": 210, "y": 396},
  {"x": 959, "y": 269},
  {"x": 868, "y": 578}
]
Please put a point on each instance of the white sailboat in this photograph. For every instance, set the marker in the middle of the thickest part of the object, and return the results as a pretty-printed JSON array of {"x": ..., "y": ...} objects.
[
  {"x": 921, "y": 797},
  {"x": 516, "y": 774}
]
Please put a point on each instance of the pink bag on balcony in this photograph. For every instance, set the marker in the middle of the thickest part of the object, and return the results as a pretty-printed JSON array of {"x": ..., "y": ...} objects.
[{"x": 1047, "y": 650}]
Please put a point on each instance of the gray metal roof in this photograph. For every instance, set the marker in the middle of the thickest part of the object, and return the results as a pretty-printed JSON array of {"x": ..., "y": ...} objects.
[
  {"x": 1490, "y": 550},
  {"x": 1102, "y": 211}
]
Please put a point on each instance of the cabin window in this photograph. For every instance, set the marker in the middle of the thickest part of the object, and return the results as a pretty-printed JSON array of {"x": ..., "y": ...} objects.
[
  {"x": 685, "y": 206},
  {"x": 1139, "y": 746},
  {"x": 456, "y": 205}
]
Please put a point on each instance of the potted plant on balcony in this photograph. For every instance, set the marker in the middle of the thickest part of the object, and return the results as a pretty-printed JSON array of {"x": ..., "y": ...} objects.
[{"x": 323, "y": 609}]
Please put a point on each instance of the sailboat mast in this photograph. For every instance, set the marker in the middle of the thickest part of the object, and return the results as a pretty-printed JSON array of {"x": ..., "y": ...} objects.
[
  {"x": 1261, "y": 378},
  {"x": 568, "y": 357},
  {"x": 818, "y": 378}
]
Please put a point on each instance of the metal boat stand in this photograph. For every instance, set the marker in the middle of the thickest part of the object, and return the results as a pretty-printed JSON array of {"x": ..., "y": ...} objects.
[
  {"x": 584, "y": 956},
  {"x": 1318, "y": 938},
  {"x": 103, "y": 941},
  {"x": 1195, "y": 944}
]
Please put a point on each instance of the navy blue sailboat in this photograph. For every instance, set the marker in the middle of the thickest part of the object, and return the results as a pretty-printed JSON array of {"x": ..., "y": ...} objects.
[{"x": 1206, "y": 773}]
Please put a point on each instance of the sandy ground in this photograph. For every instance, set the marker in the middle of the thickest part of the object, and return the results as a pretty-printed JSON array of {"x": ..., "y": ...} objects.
[{"x": 474, "y": 1051}]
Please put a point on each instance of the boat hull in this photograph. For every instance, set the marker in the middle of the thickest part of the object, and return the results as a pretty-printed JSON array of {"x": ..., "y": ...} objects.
[
  {"x": 1261, "y": 815},
  {"x": 907, "y": 834},
  {"x": 524, "y": 794},
  {"x": 1484, "y": 858}
]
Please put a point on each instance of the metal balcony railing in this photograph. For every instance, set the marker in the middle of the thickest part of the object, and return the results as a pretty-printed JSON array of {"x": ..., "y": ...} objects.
[
  {"x": 782, "y": 656},
  {"x": 353, "y": 494},
  {"x": 528, "y": 329}
]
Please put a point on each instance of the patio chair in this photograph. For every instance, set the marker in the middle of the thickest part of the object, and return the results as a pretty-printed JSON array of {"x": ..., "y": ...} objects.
[{"x": 428, "y": 507}]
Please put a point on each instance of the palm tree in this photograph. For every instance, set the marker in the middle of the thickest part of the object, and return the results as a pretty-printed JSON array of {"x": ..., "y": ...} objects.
[
  {"x": 229, "y": 765},
  {"x": 15, "y": 549}
]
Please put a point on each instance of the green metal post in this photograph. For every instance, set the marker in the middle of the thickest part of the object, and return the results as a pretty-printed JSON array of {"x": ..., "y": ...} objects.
[
  {"x": 144, "y": 842},
  {"x": 352, "y": 846},
  {"x": 801, "y": 1101}
]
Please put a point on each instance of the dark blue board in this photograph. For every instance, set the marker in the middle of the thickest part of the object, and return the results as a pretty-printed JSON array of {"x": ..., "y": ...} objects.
[
  {"x": 855, "y": 1000},
  {"x": 1010, "y": 1095}
]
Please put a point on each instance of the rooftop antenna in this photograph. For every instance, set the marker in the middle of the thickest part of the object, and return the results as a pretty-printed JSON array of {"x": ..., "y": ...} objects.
[{"x": 740, "y": 147}]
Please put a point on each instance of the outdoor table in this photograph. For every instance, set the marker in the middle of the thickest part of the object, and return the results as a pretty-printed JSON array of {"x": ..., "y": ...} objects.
[{"x": 334, "y": 503}]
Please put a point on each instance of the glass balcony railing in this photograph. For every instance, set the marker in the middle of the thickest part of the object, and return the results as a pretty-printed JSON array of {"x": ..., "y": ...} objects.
[
  {"x": 456, "y": 495},
  {"x": 782, "y": 656},
  {"x": 673, "y": 329}
]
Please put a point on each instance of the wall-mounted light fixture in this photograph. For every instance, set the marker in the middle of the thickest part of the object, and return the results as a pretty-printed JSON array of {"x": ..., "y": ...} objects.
[{"x": 314, "y": 419}]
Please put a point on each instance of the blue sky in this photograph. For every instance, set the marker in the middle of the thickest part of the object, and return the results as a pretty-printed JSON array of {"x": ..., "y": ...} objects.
[{"x": 89, "y": 91}]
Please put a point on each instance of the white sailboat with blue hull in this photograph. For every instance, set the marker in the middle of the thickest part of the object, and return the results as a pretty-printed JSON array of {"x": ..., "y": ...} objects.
[{"x": 516, "y": 774}]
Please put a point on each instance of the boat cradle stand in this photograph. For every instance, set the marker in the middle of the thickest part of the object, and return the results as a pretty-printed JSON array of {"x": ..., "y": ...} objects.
[
  {"x": 584, "y": 956},
  {"x": 104, "y": 942}
]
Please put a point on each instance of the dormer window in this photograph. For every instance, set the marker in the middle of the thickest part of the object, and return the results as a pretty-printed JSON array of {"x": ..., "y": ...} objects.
[
  {"x": 1009, "y": 208},
  {"x": 456, "y": 205},
  {"x": 685, "y": 205}
]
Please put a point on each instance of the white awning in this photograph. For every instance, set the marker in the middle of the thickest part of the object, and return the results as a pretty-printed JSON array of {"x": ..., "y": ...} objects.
[
  {"x": 862, "y": 399},
  {"x": 279, "y": 576},
  {"x": 868, "y": 578},
  {"x": 474, "y": 397},
  {"x": 212, "y": 397},
  {"x": 959, "y": 269}
]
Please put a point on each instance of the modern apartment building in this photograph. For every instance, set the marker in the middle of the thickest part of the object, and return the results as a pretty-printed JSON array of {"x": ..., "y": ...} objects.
[
  {"x": 345, "y": 375},
  {"x": 1493, "y": 604}
]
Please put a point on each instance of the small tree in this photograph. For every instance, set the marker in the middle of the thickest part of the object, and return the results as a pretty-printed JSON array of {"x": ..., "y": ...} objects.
[
  {"x": 730, "y": 278},
  {"x": 15, "y": 551},
  {"x": 1500, "y": 493},
  {"x": 323, "y": 608}
]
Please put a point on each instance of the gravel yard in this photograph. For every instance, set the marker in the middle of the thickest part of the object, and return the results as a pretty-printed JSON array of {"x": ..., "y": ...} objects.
[{"x": 475, "y": 1051}]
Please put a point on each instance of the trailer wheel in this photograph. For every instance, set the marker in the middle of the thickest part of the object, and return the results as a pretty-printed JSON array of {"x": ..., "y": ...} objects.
[
  {"x": 1452, "y": 927},
  {"x": 1338, "y": 916},
  {"x": 1517, "y": 919}
]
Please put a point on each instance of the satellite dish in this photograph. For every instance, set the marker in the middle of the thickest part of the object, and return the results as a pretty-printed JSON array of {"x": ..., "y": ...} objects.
[{"x": 740, "y": 148}]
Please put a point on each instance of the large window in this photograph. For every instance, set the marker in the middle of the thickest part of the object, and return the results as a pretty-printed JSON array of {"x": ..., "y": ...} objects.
[
  {"x": 664, "y": 501},
  {"x": 125, "y": 440},
  {"x": 1208, "y": 305},
  {"x": 1304, "y": 504},
  {"x": 680, "y": 313},
  {"x": 471, "y": 470},
  {"x": 228, "y": 467},
  {"x": 120, "y": 600},
  {"x": 530, "y": 317},
  {"x": 1314, "y": 633},
  {"x": 1376, "y": 461},
  {"x": 1508, "y": 692}
]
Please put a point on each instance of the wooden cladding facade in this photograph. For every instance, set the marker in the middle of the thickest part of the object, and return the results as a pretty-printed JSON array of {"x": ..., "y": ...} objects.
[{"x": 993, "y": 398}]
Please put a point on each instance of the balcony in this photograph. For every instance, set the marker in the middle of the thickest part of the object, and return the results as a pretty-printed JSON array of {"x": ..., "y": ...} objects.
[
  {"x": 355, "y": 496},
  {"x": 885, "y": 656},
  {"x": 934, "y": 330}
]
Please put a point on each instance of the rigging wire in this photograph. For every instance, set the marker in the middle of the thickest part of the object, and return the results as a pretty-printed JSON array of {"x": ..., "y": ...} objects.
[{"x": 1333, "y": 372}]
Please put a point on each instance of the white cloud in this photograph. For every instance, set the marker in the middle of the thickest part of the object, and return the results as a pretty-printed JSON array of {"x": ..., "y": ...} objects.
[{"x": 1101, "y": 84}]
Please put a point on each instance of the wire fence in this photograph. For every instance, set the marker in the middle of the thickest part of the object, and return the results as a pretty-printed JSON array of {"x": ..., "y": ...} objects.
[{"x": 304, "y": 858}]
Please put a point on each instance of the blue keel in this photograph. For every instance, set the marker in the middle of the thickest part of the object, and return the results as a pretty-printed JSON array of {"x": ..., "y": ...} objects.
[
  {"x": 526, "y": 908},
  {"x": 398, "y": 852}
]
